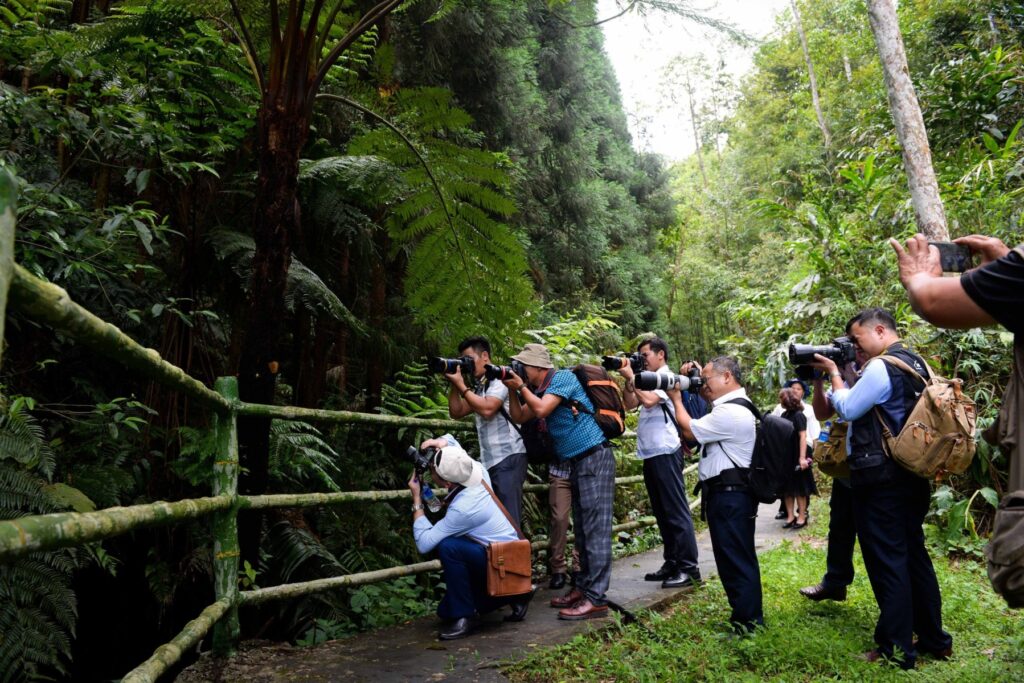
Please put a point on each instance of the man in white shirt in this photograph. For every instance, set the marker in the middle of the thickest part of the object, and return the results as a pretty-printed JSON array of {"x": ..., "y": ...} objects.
[
  {"x": 727, "y": 435},
  {"x": 501, "y": 447},
  {"x": 472, "y": 520},
  {"x": 658, "y": 445}
]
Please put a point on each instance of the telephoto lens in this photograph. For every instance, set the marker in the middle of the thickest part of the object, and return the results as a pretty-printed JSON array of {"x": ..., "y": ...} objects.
[
  {"x": 450, "y": 365},
  {"x": 651, "y": 381},
  {"x": 616, "y": 363}
]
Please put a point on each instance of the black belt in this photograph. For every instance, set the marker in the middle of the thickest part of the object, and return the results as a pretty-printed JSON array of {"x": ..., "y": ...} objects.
[{"x": 587, "y": 453}]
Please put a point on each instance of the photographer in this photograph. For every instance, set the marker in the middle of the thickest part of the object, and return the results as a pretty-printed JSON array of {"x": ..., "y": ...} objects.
[
  {"x": 579, "y": 442},
  {"x": 658, "y": 445},
  {"x": 471, "y": 521},
  {"x": 842, "y": 532},
  {"x": 890, "y": 503},
  {"x": 727, "y": 434},
  {"x": 990, "y": 293},
  {"x": 501, "y": 447}
]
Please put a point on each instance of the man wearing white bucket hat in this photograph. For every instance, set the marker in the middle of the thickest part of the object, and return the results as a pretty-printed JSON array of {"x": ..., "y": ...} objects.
[{"x": 472, "y": 520}]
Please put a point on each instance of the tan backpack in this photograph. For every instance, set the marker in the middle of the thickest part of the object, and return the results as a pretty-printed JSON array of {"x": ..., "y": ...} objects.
[
  {"x": 830, "y": 455},
  {"x": 938, "y": 436}
]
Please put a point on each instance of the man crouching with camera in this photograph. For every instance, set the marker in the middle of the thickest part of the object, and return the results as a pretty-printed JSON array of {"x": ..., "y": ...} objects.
[{"x": 472, "y": 520}]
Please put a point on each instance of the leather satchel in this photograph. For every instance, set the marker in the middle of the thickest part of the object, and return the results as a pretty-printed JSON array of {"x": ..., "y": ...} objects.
[{"x": 509, "y": 563}]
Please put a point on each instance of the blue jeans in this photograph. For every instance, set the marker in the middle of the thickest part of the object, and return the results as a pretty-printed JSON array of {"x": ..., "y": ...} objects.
[{"x": 464, "y": 563}]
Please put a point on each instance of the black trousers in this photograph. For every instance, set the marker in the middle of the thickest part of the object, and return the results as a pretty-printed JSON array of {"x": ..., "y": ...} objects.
[
  {"x": 842, "y": 534},
  {"x": 888, "y": 517},
  {"x": 507, "y": 479},
  {"x": 731, "y": 517},
  {"x": 663, "y": 477}
]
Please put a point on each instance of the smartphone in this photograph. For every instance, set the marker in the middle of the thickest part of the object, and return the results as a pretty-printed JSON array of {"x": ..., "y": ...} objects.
[{"x": 955, "y": 258}]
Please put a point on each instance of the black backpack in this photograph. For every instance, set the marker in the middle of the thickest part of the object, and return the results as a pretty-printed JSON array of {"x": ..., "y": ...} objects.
[
  {"x": 605, "y": 396},
  {"x": 540, "y": 447},
  {"x": 771, "y": 462}
]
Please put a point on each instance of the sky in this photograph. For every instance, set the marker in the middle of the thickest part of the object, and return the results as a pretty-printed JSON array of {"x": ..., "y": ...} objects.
[{"x": 641, "y": 47}]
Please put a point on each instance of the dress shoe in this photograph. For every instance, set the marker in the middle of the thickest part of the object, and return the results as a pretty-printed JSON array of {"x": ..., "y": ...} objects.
[
  {"x": 567, "y": 600},
  {"x": 941, "y": 655},
  {"x": 584, "y": 609},
  {"x": 681, "y": 580},
  {"x": 519, "y": 607},
  {"x": 877, "y": 656},
  {"x": 824, "y": 592},
  {"x": 799, "y": 525},
  {"x": 666, "y": 571},
  {"x": 789, "y": 524},
  {"x": 557, "y": 581},
  {"x": 460, "y": 628},
  {"x": 781, "y": 515}
]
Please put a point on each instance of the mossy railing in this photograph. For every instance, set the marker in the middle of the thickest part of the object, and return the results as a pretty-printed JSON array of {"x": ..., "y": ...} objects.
[{"x": 48, "y": 303}]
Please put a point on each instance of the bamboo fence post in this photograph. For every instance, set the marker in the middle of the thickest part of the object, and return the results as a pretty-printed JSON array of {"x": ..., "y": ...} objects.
[
  {"x": 225, "y": 523},
  {"x": 8, "y": 196}
]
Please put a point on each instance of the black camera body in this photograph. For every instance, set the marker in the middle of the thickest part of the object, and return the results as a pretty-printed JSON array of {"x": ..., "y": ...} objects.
[
  {"x": 449, "y": 366},
  {"x": 420, "y": 459},
  {"x": 840, "y": 351},
  {"x": 634, "y": 360},
  {"x": 503, "y": 372},
  {"x": 650, "y": 381}
]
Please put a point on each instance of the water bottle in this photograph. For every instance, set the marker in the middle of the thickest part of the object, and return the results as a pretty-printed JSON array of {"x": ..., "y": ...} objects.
[
  {"x": 823, "y": 436},
  {"x": 432, "y": 502}
]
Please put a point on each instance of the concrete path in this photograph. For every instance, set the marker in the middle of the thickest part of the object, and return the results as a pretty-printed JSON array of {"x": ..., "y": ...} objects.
[{"x": 411, "y": 652}]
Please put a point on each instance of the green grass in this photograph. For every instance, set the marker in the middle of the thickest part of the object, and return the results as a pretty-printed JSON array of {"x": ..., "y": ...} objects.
[{"x": 802, "y": 641}]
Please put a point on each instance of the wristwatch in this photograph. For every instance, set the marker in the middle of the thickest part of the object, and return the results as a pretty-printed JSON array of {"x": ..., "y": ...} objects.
[{"x": 417, "y": 507}]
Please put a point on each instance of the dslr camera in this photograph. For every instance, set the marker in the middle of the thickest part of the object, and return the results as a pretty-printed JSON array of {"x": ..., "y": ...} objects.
[
  {"x": 420, "y": 459},
  {"x": 649, "y": 381},
  {"x": 503, "y": 372},
  {"x": 449, "y": 366},
  {"x": 840, "y": 351},
  {"x": 634, "y": 360}
]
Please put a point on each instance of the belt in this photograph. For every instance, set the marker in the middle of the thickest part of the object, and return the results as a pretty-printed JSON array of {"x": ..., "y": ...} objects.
[{"x": 587, "y": 453}]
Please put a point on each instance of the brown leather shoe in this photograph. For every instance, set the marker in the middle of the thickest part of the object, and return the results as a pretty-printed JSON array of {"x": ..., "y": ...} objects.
[
  {"x": 567, "y": 600},
  {"x": 584, "y": 609},
  {"x": 941, "y": 655},
  {"x": 823, "y": 592}
]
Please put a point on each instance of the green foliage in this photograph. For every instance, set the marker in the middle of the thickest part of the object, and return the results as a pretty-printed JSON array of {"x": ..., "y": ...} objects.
[
  {"x": 801, "y": 640},
  {"x": 38, "y": 608}
]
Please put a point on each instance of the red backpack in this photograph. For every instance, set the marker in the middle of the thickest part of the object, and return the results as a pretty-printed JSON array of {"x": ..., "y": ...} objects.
[{"x": 604, "y": 394}]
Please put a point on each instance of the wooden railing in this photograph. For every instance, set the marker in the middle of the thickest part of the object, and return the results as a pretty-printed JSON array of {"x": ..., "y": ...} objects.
[{"x": 48, "y": 303}]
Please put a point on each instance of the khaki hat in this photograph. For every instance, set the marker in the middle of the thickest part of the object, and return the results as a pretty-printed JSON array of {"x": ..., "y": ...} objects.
[
  {"x": 536, "y": 355},
  {"x": 454, "y": 464}
]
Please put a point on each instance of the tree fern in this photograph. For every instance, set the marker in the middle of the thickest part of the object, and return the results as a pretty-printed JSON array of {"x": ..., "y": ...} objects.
[
  {"x": 38, "y": 608},
  {"x": 300, "y": 457},
  {"x": 13, "y": 12}
]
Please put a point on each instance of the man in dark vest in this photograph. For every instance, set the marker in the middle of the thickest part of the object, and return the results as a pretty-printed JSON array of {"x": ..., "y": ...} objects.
[{"x": 889, "y": 502}]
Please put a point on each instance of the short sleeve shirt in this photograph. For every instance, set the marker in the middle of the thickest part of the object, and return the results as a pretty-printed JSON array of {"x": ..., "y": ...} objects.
[
  {"x": 998, "y": 288},
  {"x": 727, "y": 434},
  {"x": 572, "y": 434},
  {"x": 498, "y": 438},
  {"x": 656, "y": 432}
]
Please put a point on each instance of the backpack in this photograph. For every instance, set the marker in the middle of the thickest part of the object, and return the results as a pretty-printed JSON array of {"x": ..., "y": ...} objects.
[
  {"x": 540, "y": 447},
  {"x": 938, "y": 436},
  {"x": 830, "y": 454},
  {"x": 771, "y": 462},
  {"x": 604, "y": 394}
]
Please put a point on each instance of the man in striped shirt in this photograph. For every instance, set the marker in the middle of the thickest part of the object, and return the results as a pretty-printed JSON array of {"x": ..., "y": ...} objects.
[{"x": 501, "y": 447}]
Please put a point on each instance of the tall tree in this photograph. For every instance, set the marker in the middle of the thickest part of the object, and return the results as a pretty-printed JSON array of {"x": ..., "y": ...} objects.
[
  {"x": 906, "y": 114},
  {"x": 813, "y": 79}
]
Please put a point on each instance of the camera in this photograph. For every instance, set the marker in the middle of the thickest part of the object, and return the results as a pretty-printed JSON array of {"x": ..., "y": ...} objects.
[
  {"x": 649, "y": 381},
  {"x": 420, "y": 459},
  {"x": 954, "y": 258},
  {"x": 633, "y": 360},
  {"x": 451, "y": 365},
  {"x": 840, "y": 351},
  {"x": 503, "y": 372}
]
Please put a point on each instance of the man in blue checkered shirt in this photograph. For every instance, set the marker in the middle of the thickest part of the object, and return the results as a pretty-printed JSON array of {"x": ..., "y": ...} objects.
[{"x": 580, "y": 442}]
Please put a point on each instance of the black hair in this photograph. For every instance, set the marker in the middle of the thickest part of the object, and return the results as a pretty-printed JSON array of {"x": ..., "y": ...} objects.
[
  {"x": 873, "y": 316},
  {"x": 656, "y": 344},
  {"x": 479, "y": 344},
  {"x": 730, "y": 365}
]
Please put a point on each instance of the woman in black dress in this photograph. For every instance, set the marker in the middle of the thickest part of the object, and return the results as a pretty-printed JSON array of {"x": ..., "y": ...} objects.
[{"x": 800, "y": 487}]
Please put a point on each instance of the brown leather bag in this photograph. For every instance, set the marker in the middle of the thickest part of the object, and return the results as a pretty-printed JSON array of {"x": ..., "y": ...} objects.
[
  {"x": 830, "y": 455},
  {"x": 509, "y": 563}
]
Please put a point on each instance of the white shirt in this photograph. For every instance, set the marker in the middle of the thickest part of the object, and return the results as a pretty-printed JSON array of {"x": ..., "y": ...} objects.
[
  {"x": 813, "y": 426},
  {"x": 498, "y": 438},
  {"x": 656, "y": 432},
  {"x": 728, "y": 431}
]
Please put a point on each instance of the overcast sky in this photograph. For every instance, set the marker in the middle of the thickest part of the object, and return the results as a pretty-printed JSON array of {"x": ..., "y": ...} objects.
[{"x": 641, "y": 47}]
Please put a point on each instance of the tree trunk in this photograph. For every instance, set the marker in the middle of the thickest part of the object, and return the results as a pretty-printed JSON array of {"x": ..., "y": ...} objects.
[
  {"x": 815, "y": 98},
  {"x": 696, "y": 130},
  {"x": 906, "y": 113},
  {"x": 846, "y": 67}
]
